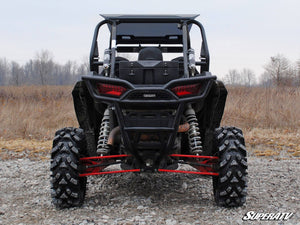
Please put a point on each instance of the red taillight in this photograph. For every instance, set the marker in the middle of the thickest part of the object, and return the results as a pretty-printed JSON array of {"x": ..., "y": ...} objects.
[
  {"x": 192, "y": 89},
  {"x": 109, "y": 89}
]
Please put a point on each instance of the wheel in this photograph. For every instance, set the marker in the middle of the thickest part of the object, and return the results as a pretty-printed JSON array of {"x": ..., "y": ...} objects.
[
  {"x": 68, "y": 189},
  {"x": 230, "y": 186}
]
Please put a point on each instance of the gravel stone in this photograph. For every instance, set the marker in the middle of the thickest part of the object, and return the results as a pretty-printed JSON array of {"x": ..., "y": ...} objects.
[{"x": 25, "y": 196}]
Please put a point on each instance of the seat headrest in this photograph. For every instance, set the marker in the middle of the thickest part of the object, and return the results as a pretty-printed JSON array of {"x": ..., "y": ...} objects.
[{"x": 150, "y": 53}]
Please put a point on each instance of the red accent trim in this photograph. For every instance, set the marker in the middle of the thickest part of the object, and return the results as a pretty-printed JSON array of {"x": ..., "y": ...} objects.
[
  {"x": 191, "y": 172},
  {"x": 104, "y": 157},
  {"x": 109, "y": 172},
  {"x": 195, "y": 156}
]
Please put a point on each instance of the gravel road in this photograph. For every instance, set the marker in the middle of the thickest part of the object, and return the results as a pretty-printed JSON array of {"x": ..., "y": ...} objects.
[{"x": 147, "y": 198}]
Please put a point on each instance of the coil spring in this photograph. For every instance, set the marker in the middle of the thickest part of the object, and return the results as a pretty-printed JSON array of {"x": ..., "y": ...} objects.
[
  {"x": 102, "y": 147},
  {"x": 193, "y": 133}
]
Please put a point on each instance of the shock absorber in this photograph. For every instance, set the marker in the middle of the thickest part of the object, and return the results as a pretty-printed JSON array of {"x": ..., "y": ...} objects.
[
  {"x": 193, "y": 133},
  {"x": 102, "y": 147}
]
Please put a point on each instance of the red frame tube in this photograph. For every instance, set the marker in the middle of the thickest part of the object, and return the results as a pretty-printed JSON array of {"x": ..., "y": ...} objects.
[
  {"x": 190, "y": 172},
  {"x": 109, "y": 172},
  {"x": 195, "y": 156},
  {"x": 102, "y": 162},
  {"x": 104, "y": 157}
]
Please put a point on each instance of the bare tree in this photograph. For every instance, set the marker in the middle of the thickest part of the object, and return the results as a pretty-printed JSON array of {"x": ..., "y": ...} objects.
[
  {"x": 44, "y": 65},
  {"x": 4, "y": 70},
  {"x": 29, "y": 73},
  {"x": 84, "y": 67},
  {"x": 265, "y": 80},
  {"x": 248, "y": 77},
  {"x": 278, "y": 69},
  {"x": 297, "y": 74},
  {"x": 233, "y": 77},
  {"x": 42, "y": 70},
  {"x": 17, "y": 74}
]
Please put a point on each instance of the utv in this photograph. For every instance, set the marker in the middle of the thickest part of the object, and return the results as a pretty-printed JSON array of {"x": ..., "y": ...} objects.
[{"x": 149, "y": 114}]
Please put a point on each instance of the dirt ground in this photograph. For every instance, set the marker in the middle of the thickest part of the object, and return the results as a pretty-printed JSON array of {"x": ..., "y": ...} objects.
[
  {"x": 274, "y": 184},
  {"x": 147, "y": 198}
]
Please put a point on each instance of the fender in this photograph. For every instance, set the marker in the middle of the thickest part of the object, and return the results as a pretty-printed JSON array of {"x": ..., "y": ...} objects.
[
  {"x": 88, "y": 117},
  {"x": 213, "y": 112}
]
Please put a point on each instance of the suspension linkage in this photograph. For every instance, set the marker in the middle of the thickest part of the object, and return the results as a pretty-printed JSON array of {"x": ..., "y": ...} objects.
[{"x": 96, "y": 164}]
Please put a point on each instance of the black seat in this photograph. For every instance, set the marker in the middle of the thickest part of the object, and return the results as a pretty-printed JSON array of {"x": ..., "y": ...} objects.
[
  {"x": 119, "y": 58},
  {"x": 149, "y": 69},
  {"x": 117, "y": 61},
  {"x": 150, "y": 53},
  {"x": 180, "y": 62}
]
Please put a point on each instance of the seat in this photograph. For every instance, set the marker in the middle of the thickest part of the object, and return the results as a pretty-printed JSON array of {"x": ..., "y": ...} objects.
[
  {"x": 180, "y": 62},
  {"x": 150, "y": 53},
  {"x": 119, "y": 59},
  {"x": 149, "y": 69}
]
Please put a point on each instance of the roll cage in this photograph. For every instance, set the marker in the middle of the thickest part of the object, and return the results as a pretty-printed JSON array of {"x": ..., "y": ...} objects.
[{"x": 169, "y": 32}]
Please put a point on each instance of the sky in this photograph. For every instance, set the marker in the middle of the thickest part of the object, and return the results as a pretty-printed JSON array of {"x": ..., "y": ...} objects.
[{"x": 240, "y": 33}]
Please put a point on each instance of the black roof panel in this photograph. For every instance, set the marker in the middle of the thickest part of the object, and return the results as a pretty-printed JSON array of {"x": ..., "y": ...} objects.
[{"x": 137, "y": 17}]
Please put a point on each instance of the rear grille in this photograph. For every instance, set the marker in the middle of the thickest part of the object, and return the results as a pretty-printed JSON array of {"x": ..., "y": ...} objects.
[{"x": 149, "y": 95}]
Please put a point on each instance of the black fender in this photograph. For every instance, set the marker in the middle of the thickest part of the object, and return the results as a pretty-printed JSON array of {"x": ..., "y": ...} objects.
[
  {"x": 88, "y": 115},
  {"x": 211, "y": 115}
]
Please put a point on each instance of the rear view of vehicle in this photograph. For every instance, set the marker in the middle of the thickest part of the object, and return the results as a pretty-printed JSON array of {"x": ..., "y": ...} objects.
[{"x": 149, "y": 105}]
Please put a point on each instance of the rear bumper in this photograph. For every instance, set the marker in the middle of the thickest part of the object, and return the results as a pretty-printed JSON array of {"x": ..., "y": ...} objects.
[
  {"x": 148, "y": 109},
  {"x": 169, "y": 97}
]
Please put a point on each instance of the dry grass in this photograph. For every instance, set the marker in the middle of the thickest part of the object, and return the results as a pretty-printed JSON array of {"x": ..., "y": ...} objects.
[
  {"x": 273, "y": 142},
  {"x": 263, "y": 108},
  {"x": 33, "y": 112},
  {"x": 23, "y": 148},
  {"x": 30, "y": 115}
]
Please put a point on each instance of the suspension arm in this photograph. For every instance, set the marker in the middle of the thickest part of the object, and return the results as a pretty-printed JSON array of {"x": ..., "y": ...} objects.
[{"x": 95, "y": 165}]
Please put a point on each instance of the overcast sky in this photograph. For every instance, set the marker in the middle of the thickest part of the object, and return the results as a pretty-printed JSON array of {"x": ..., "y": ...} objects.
[{"x": 241, "y": 34}]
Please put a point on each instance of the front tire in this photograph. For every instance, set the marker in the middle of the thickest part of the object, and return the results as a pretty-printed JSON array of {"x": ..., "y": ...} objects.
[
  {"x": 230, "y": 186},
  {"x": 68, "y": 189}
]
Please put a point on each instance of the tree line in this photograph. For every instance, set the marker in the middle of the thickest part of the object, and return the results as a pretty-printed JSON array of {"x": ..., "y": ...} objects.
[
  {"x": 279, "y": 71},
  {"x": 42, "y": 70}
]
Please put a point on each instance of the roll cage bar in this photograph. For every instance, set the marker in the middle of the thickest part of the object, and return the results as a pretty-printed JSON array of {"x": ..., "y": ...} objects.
[{"x": 114, "y": 21}]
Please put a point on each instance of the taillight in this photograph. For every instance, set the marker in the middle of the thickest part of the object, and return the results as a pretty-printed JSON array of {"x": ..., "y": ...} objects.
[
  {"x": 109, "y": 89},
  {"x": 192, "y": 89}
]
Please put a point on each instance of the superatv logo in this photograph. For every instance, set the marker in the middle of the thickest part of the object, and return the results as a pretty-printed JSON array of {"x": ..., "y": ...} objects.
[{"x": 267, "y": 216}]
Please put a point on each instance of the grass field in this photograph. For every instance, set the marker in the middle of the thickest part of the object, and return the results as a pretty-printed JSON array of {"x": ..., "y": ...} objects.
[{"x": 30, "y": 115}]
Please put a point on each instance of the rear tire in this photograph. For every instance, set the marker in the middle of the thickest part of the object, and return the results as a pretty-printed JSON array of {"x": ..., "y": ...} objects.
[
  {"x": 68, "y": 189},
  {"x": 230, "y": 186}
]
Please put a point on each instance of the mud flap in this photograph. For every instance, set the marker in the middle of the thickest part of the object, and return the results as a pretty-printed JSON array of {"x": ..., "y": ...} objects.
[
  {"x": 88, "y": 118},
  {"x": 215, "y": 104}
]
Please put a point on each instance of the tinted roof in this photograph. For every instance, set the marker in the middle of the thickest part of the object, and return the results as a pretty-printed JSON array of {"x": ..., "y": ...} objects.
[
  {"x": 127, "y": 17},
  {"x": 148, "y": 29}
]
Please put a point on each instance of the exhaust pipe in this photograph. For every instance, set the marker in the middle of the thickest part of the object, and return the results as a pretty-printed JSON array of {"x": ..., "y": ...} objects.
[
  {"x": 112, "y": 134},
  {"x": 183, "y": 127},
  {"x": 111, "y": 138}
]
